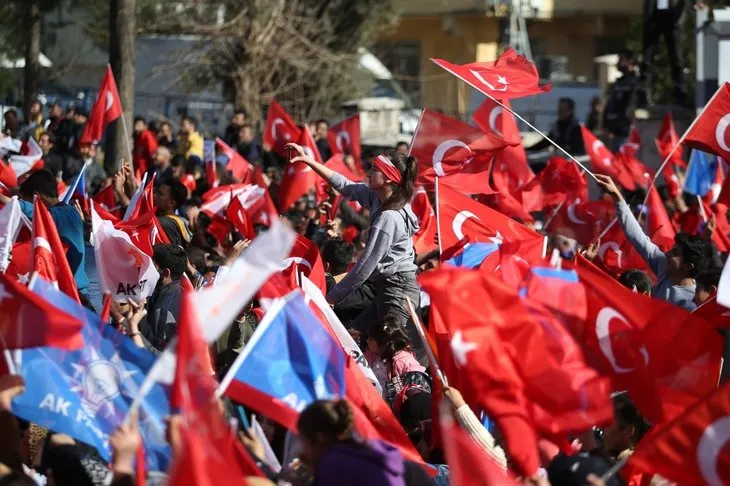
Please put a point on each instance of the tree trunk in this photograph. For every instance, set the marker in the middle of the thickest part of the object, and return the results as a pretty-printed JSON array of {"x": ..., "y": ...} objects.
[
  {"x": 122, "y": 60},
  {"x": 32, "y": 57}
]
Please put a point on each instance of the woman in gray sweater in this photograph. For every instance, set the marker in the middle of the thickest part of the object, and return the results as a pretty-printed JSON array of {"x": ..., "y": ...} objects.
[{"x": 388, "y": 257}]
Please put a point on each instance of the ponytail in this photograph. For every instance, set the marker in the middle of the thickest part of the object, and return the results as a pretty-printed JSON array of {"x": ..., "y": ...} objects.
[
  {"x": 403, "y": 191},
  {"x": 333, "y": 419}
]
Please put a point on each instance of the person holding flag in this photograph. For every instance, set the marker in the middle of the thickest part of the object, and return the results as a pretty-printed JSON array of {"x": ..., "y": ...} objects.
[{"x": 388, "y": 255}]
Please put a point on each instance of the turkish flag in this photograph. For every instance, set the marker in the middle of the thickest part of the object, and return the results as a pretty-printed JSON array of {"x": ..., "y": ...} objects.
[
  {"x": 49, "y": 257},
  {"x": 8, "y": 178},
  {"x": 582, "y": 220},
  {"x": 616, "y": 254},
  {"x": 425, "y": 239},
  {"x": 207, "y": 453},
  {"x": 709, "y": 132},
  {"x": 632, "y": 145},
  {"x": 107, "y": 199},
  {"x": 239, "y": 167},
  {"x": 106, "y": 109},
  {"x": 459, "y": 216},
  {"x": 510, "y": 76},
  {"x": 640, "y": 173},
  {"x": 28, "y": 321},
  {"x": 240, "y": 219},
  {"x": 305, "y": 259},
  {"x": 561, "y": 179},
  {"x": 603, "y": 162},
  {"x": 344, "y": 137},
  {"x": 711, "y": 311},
  {"x": 664, "y": 356},
  {"x": 280, "y": 129},
  {"x": 456, "y": 152},
  {"x": 142, "y": 231},
  {"x": 298, "y": 178},
  {"x": 667, "y": 139},
  {"x": 693, "y": 449},
  {"x": 659, "y": 226}
]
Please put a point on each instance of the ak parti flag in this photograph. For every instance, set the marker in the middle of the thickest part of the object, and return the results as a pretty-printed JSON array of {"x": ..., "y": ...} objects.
[
  {"x": 106, "y": 109},
  {"x": 710, "y": 132},
  {"x": 344, "y": 137},
  {"x": 280, "y": 129},
  {"x": 49, "y": 256},
  {"x": 510, "y": 76}
]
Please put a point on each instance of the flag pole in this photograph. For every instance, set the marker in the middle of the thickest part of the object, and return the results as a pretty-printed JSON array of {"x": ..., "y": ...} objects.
[
  {"x": 615, "y": 469},
  {"x": 438, "y": 215},
  {"x": 429, "y": 352},
  {"x": 552, "y": 216},
  {"x": 127, "y": 139},
  {"x": 555, "y": 144}
]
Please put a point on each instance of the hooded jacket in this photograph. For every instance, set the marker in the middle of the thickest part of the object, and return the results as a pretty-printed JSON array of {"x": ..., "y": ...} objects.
[
  {"x": 371, "y": 463},
  {"x": 389, "y": 249}
]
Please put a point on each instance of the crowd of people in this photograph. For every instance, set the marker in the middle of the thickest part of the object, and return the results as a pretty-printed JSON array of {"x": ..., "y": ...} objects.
[{"x": 372, "y": 267}]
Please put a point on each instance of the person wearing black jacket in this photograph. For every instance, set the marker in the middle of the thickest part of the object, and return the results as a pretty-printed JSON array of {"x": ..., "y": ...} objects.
[
  {"x": 621, "y": 101},
  {"x": 566, "y": 130}
]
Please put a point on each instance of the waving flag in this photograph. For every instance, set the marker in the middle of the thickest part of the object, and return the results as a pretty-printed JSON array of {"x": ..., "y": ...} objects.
[
  {"x": 604, "y": 162},
  {"x": 305, "y": 259},
  {"x": 710, "y": 132},
  {"x": 632, "y": 145},
  {"x": 659, "y": 226},
  {"x": 9, "y": 229},
  {"x": 510, "y": 76},
  {"x": 455, "y": 151},
  {"x": 237, "y": 165},
  {"x": 344, "y": 137},
  {"x": 106, "y": 109},
  {"x": 667, "y": 139},
  {"x": 561, "y": 179},
  {"x": 77, "y": 190},
  {"x": 582, "y": 220},
  {"x": 30, "y": 158},
  {"x": 298, "y": 177},
  {"x": 701, "y": 173},
  {"x": 87, "y": 393},
  {"x": 425, "y": 238},
  {"x": 240, "y": 219},
  {"x": 289, "y": 362},
  {"x": 280, "y": 129}
]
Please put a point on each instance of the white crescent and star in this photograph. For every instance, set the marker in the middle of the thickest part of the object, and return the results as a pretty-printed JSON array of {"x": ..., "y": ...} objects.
[
  {"x": 720, "y": 132},
  {"x": 571, "y": 213},
  {"x": 276, "y": 121},
  {"x": 109, "y": 100},
  {"x": 461, "y": 348},
  {"x": 459, "y": 220},
  {"x": 603, "y": 322},
  {"x": 295, "y": 260},
  {"x": 711, "y": 443},
  {"x": 342, "y": 135},
  {"x": 40, "y": 242},
  {"x": 496, "y": 111},
  {"x": 443, "y": 147},
  {"x": 596, "y": 147},
  {"x": 500, "y": 79}
]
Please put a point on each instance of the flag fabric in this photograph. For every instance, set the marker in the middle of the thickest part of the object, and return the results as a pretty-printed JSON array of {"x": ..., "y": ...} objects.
[
  {"x": 305, "y": 259},
  {"x": 108, "y": 200},
  {"x": 240, "y": 219},
  {"x": 206, "y": 454},
  {"x": 9, "y": 229},
  {"x": 693, "y": 448},
  {"x": 616, "y": 254},
  {"x": 454, "y": 151},
  {"x": 125, "y": 271},
  {"x": 711, "y": 311},
  {"x": 298, "y": 177},
  {"x": 280, "y": 129},
  {"x": 473, "y": 255},
  {"x": 106, "y": 109},
  {"x": 344, "y": 137},
  {"x": 667, "y": 139},
  {"x": 510, "y": 76},
  {"x": 30, "y": 159},
  {"x": 641, "y": 174},
  {"x": 238, "y": 166},
  {"x": 77, "y": 190},
  {"x": 425, "y": 238},
  {"x": 87, "y": 393},
  {"x": 632, "y": 145},
  {"x": 701, "y": 172},
  {"x": 710, "y": 133},
  {"x": 49, "y": 257},
  {"x": 659, "y": 226},
  {"x": 8, "y": 178},
  {"x": 28, "y": 320},
  {"x": 603, "y": 161},
  {"x": 582, "y": 220},
  {"x": 561, "y": 179}
]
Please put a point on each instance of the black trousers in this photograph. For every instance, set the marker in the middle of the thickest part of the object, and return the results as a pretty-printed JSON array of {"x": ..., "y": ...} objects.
[{"x": 664, "y": 23}]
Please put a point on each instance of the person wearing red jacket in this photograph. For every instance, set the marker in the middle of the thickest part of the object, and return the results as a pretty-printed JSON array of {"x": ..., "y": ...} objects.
[{"x": 145, "y": 145}]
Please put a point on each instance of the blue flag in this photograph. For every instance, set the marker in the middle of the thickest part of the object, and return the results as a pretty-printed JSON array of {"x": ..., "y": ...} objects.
[
  {"x": 290, "y": 362},
  {"x": 700, "y": 173},
  {"x": 77, "y": 188},
  {"x": 473, "y": 255},
  {"x": 86, "y": 393}
]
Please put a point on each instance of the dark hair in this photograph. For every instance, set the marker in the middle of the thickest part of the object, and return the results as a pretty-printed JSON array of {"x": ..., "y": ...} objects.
[
  {"x": 402, "y": 144},
  {"x": 708, "y": 279},
  {"x": 51, "y": 137},
  {"x": 695, "y": 250},
  {"x": 320, "y": 121},
  {"x": 178, "y": 160},
  {"x": 178, "y": 192},
  {"x": 391, "y": 336},
  {"x": 569, "y": 102},
  {"x": 332, "y": 418},
  {"x": 192, "y": 120},
  {"x": 628, "y": 54},
  {"x": 626, "y": 413},
  {"x": 338, "y": 253},
  {"x": 402, "y": 192},
  {"x": 140, "y": 118},
  {"x": 636, "y": 278},
  {"x": 10, "y": 112},
  {"x": 241, "y": 111},
  {"x": 170, "y": 257},
  {"x": 40, "y": 182},
  {"x": 246, "y": 125}
]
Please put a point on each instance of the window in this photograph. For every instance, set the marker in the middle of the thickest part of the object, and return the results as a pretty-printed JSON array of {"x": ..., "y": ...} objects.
[{"x": 403, "y": 60}]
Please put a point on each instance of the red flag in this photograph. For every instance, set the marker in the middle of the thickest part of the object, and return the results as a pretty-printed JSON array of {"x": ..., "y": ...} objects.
[
  {"x": 664, "y": 356},
  {"x": 280, "y": 129},
  {"x": 659, "y": 225},
  {"x": 28, "y": 321},
  {"x": 639, "y": 172},
  {"x": 425, "y": 239},
  {"x": 510, "y": 76},
  {"x": 468, "y": 464},
  {"x": 561, "y": 179},
  {"x": 49, "y": 257},
  {"x": 460, "y": 216},
  {"x": 240, "y": 218},
  {"x": 106, "y": 109},
  {"x": 582, "y": 220},
  {"x": 305, "y": 258},
  {"x": 490, "y": 117},
  {"x": 713, "y": 312},
  {"x": 239, "y": 167},
  {"x": 667, "y": 139},
  {"x": 709, "y": 132},
  {"x": 298, "y": 178},
  {"x": 603, "y": 161},
  {"x": 632, "y": 144},
  {"x": 693, "y": 448},
  {"x": 616, "y": 254},
  {"x": 344, "y": 137},
  {"x": 207, "y": 453},
  {"x": 455, "y": 151},
  {"x": 7, "y": 176},
  {"x": 106, "y": 199},
  {"x": 142, "y": 231}
]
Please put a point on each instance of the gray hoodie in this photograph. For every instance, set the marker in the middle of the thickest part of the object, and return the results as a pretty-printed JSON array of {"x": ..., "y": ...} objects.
[
  {"x": 389, "y": 249},
  {"x": 656, "y": 259}
]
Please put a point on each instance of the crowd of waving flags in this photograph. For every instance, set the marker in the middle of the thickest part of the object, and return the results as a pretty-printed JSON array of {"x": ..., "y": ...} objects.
[{"x": 539, "y": 348}]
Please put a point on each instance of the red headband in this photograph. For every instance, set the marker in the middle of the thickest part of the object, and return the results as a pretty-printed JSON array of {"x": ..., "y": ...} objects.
[{"x": 385, "y": 166}]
